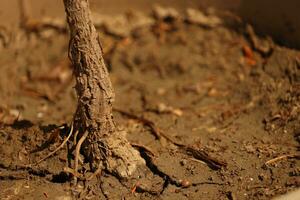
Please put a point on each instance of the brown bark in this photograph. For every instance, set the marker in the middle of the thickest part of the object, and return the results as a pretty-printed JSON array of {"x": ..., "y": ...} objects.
[{"x": 105, "y": 144}]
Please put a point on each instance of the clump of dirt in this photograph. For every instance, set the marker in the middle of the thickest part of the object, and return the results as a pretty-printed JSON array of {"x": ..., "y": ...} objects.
[{"x": 189, "y": 92}]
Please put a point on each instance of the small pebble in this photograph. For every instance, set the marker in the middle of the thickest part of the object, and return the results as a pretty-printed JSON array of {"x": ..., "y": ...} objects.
[{"x": 184, "y": 183}]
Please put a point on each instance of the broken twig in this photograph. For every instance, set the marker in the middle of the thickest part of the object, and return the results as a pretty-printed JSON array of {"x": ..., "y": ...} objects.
[{"x": 281, "y": 158}]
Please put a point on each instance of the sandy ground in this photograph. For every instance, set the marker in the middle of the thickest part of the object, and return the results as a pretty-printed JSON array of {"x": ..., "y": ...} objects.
[{"x": 207, "y": 85}]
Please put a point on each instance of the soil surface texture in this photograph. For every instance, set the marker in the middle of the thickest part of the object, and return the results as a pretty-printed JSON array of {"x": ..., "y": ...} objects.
[{"x": 212, "y": 108}]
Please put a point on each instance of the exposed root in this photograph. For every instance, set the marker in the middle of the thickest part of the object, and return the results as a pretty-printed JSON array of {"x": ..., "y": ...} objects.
[
  {"x": 156, "y": 132},
  {"x": 75, "y": 137},
  {"x": 144, "y": 148},
  {"x": 213, "y": 163},
  {"x": 156, "y": 170},
  {"x": 103, "y": 191},
  {"x": 169, "y": 179},
  {"x": 77, "y": 152},
  {"x": 123, "y": 160},
  {"x": 119, "y": 157},
  {"x": 58, "y": 148},
  {"x": 87, "y": 193},
  {"x": 98, "y": 171},
  {"x": 73, "y": 172}
]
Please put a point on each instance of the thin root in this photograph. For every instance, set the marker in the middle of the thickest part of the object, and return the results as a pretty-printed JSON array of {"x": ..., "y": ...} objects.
[
  {"x": 77, "y": 152},
  {"x": 58, "y": 148},
  {"x": 75, "y": 137},
  {"x": 157, "y": 132},
  {"x": 72, "y": 171},
  {"x": 213, "y": 163},
  {"x": 144, "y": 148},
  {"x": 98, "y": 171}
]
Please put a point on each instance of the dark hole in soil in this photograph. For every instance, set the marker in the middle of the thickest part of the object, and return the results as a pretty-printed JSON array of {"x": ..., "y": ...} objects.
[
  {"x": 22, "y": 124},
  {"x": 40, "y": 173},
  {"x": 24, "y": 138},
  {"x": 62, "y": 177}
]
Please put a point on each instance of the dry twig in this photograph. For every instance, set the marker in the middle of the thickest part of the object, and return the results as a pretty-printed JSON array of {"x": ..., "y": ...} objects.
[{"x": 281, "y": 158}]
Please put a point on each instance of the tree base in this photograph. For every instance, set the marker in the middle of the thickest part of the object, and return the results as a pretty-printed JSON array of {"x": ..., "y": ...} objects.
[
  {"x": 123, "y": 159},
  {"x": 103, "y": 144}
]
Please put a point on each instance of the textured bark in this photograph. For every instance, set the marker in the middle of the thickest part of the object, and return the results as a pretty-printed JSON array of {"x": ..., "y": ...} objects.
[{"x": 105, "y": 144}]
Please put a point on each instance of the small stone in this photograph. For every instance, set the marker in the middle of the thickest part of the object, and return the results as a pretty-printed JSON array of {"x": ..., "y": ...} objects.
[
  {"x": 40, "y": 115},
  {"x": 184, "y": 183}
]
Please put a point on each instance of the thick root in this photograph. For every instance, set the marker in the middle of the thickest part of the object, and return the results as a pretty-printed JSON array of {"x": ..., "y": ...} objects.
[{"x": 123, "y": 160}]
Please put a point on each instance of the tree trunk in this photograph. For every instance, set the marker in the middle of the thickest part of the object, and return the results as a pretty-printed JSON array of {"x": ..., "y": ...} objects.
[{"x": 105, "y": 145}]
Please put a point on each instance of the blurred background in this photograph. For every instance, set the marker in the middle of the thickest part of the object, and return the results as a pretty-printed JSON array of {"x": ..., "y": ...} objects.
[{"x": 277, "y": 18}]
